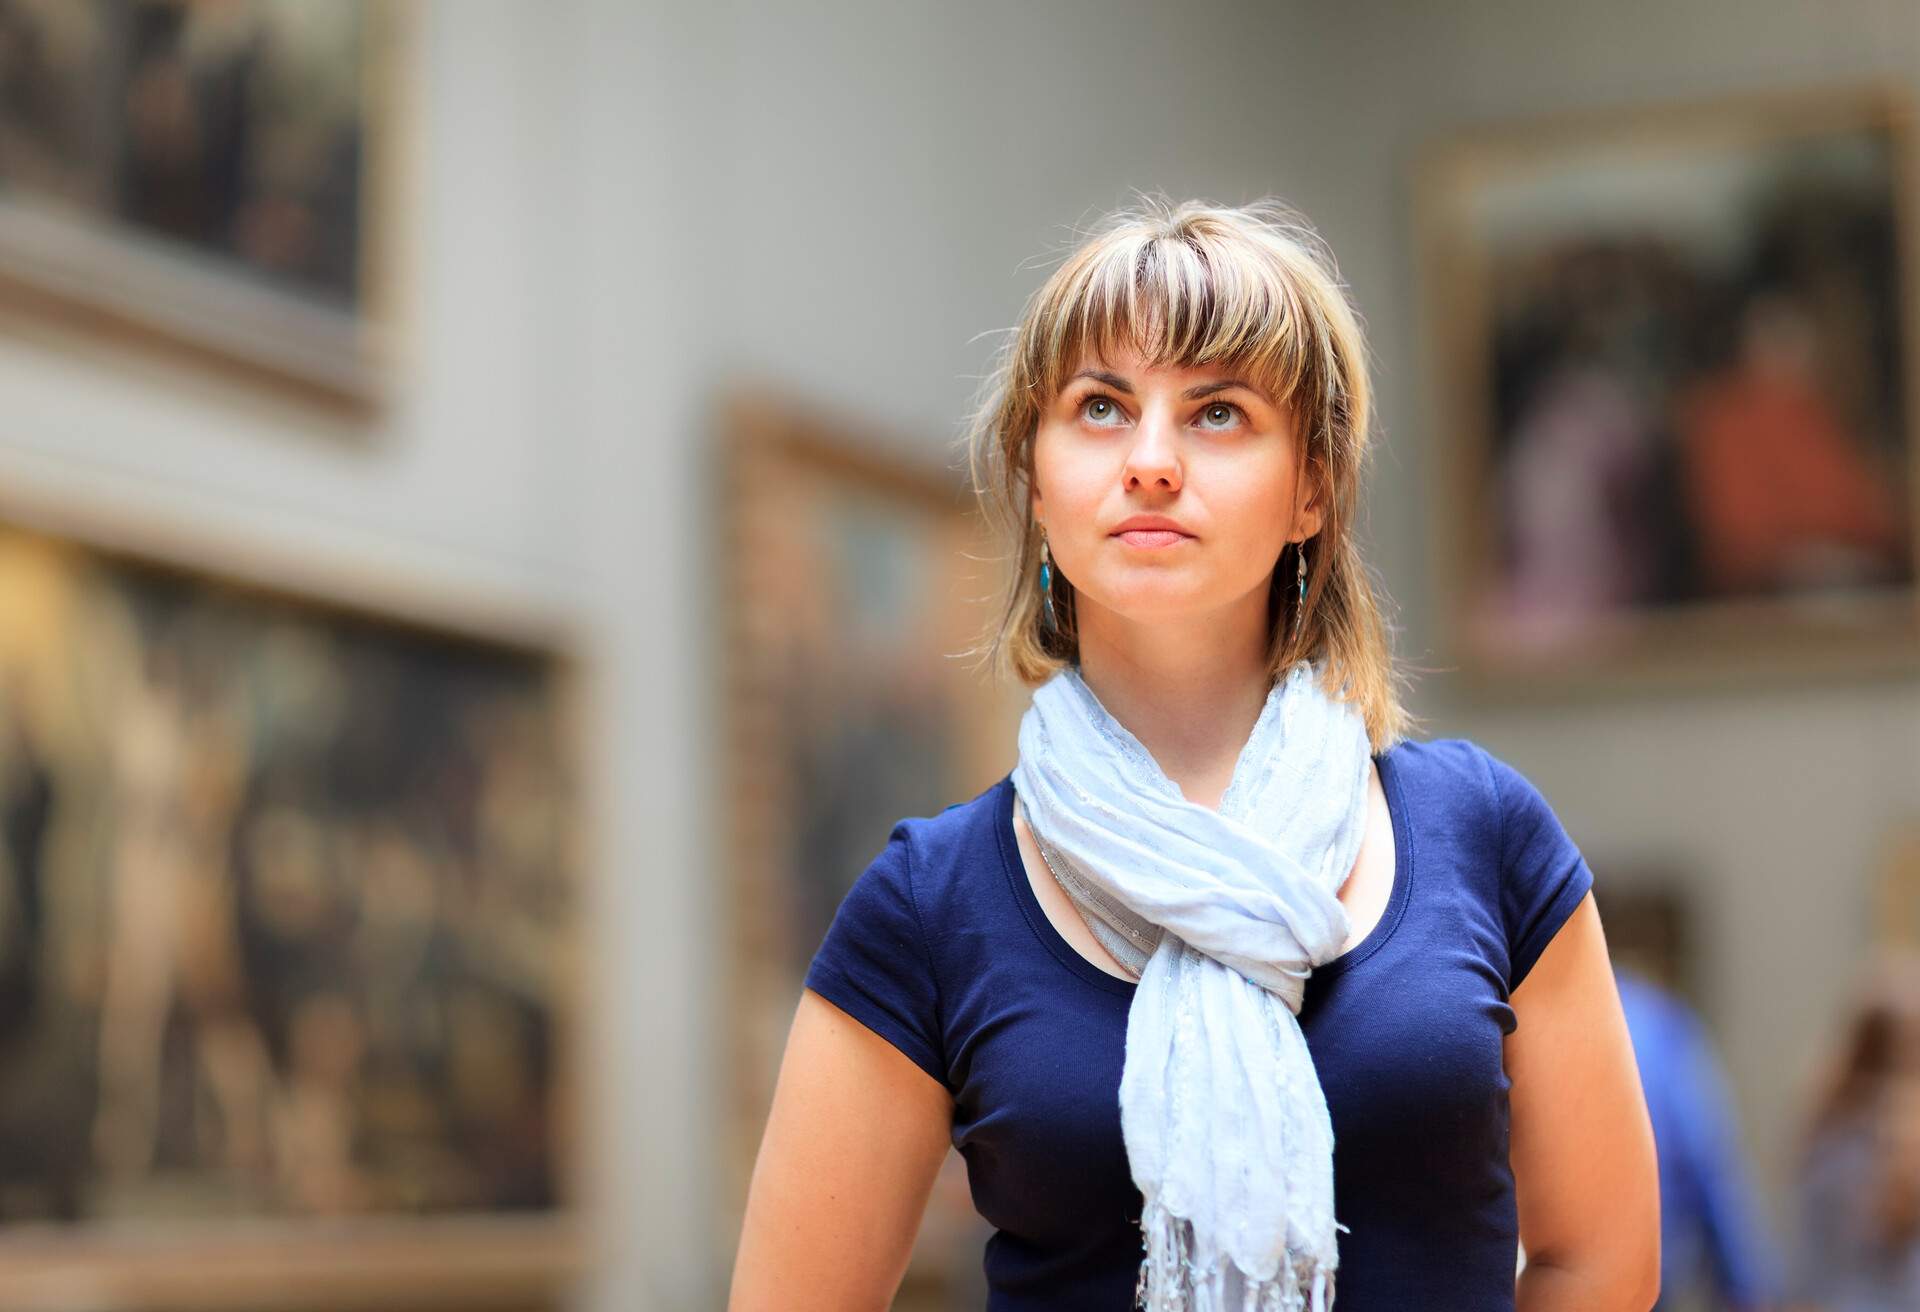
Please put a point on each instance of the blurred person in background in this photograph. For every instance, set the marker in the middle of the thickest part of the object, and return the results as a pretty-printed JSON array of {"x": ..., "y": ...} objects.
[
  {"x": 1172, "y": 986},
  {"x": 1857, "y": 1196},
  {"x": 1713, "y": 1246}
]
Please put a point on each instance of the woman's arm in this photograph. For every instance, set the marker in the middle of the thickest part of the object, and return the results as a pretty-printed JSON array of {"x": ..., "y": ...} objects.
[
  {"x": 1581, "y": 1146},
  {"x": 853, "y": 1141}
]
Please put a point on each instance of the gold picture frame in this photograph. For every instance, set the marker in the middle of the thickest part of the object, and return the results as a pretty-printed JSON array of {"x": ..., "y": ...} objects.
[
  {"x": 1669, "y": 355},
  {"x": 852, "y": 581},
  {"x": 210, "y": 184},
  {"x": 291, "y": 987}
]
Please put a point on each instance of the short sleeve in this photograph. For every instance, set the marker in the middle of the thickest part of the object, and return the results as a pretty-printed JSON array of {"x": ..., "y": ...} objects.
[
  {"x": 873, "y": 963},
  {"x": 1543, "y": 876}
]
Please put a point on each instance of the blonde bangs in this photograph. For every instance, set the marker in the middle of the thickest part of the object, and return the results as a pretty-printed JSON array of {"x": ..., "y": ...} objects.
[{"x": 1204, "y": 298}]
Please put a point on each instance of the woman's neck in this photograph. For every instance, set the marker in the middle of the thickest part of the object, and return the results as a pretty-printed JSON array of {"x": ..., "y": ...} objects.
[{"x": 1190, "y": 695}]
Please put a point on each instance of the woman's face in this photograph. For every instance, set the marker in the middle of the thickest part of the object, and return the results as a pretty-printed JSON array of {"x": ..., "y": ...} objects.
[{"x": 1195, "y": 446}]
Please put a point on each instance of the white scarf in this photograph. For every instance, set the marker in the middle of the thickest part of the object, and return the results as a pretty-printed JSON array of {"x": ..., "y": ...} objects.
[{"x": 1221, "y": 916}]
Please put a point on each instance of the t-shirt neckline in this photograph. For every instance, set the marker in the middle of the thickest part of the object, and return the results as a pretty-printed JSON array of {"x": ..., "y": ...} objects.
[{"x": 1070, "y": 957}]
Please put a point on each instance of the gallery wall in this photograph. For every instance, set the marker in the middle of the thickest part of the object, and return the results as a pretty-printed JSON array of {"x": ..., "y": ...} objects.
[{"x": 616, "y": 210}]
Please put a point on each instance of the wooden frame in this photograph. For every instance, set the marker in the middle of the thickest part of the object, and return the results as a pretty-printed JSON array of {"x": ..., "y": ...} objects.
[
  {"x": 443, "y": 1254},
  {"x": 1643, "y": 593},
  {"x": 852, "y": 583},
  {"x": 77, "y": 253},
  {"x": 1894, "y": 917}
]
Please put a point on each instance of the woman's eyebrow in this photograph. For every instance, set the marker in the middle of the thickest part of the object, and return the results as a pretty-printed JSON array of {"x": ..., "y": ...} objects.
[
  {"x": 1194, "y": 393},
  {"x": 1225, "y": 384}
]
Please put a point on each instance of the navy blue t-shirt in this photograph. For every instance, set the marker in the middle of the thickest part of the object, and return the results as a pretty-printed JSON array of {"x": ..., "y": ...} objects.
[{"x": 942, "y": 948}]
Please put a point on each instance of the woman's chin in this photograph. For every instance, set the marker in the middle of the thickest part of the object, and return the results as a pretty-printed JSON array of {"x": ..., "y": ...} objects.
[
  {"x": 1156, "y": 606},
  {"x": 1157, "y": 598}
]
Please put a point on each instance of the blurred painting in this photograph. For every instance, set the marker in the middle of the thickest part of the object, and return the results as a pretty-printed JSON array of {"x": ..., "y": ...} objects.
[
  {"x": 854, "y": 581},
  {"x": 286, "y": 911},
  {"x": 201, "y": 174},
  {"x": 1894, "y": 919},
  {"x": 1673, "y": 353}
]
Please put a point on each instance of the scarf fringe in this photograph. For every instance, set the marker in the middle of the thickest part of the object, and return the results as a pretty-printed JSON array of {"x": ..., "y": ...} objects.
[{"x": 1171, "y": 1281}]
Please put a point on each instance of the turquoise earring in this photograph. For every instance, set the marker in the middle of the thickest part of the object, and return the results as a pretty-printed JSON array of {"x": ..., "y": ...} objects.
[
  {"x": 1047, "y": 618},
  {"x": 1300, "y": 602}
]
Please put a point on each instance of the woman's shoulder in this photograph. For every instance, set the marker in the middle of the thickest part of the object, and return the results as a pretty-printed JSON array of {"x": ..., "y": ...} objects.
[
  {"x": 893, "y": 934},
  {"x": 1444, "y": 754},
  {"x": 1486, "y": 820},
  {"x": 1445, "y": 798},
  {"x": 1460, "y": 772},
  {"x": 1443, "y": 772},
  {"x": 960, "y": 820},
  {"x": 933, "y": 862}
]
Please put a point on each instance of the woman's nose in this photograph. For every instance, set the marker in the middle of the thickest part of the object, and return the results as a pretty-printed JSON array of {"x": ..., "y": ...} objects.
[{"x": 1155, "y": 453}]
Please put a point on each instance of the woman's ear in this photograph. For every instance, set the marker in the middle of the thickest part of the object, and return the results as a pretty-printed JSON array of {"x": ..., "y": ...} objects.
[{"x": 1310, "y": 513}]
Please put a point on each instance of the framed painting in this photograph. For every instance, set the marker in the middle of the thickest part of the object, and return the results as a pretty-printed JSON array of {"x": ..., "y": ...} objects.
[
  {"x": 1894, "y": 917},
  {"x": 853, "y": 583},
  {"x": 1671, "y": 362},
  {"x": 212, "y": 180},
  {"x": 288, "y": 1005}
]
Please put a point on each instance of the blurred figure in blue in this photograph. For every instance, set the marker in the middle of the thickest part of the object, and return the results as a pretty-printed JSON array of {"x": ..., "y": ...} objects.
[
  {"x": 1713, "y": 1246},
  {"x": 1857, "y": 1198}
]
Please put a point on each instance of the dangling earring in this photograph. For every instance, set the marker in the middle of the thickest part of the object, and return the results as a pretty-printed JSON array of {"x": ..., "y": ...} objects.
[
  {"x": 1300, "y": 601},
  {"x": 1047, "y": 620}
]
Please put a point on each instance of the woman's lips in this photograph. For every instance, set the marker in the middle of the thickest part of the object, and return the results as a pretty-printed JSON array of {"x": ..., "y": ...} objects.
[{"x": 1151, "y": 537}]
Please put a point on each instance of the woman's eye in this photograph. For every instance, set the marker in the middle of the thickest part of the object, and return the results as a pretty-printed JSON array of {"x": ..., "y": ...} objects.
[
  {"x": 1102, "y": 411},
  {"x": 1220, "y": 410}
]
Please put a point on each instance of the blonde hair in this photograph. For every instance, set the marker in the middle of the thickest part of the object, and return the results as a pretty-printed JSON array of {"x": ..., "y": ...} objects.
[{"x": 1250, "y": 288}]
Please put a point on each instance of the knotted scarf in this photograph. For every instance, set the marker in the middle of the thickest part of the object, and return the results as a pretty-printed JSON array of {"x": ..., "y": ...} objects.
[{"x": 1221, "y": 916}]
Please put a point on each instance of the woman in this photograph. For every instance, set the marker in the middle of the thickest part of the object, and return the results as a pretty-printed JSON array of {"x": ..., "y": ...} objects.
[
  {"x": 1220, "y": 991},
  {"x": 1857, "y": 1198}
]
